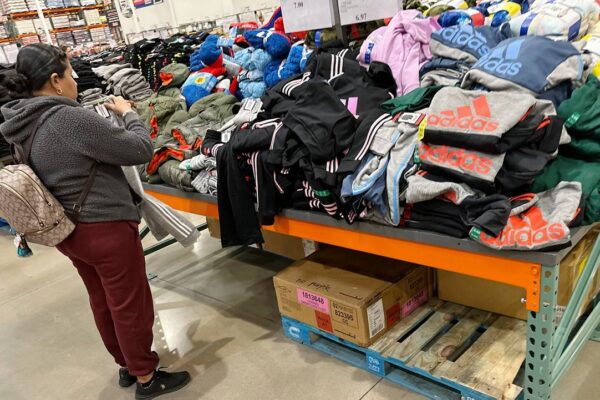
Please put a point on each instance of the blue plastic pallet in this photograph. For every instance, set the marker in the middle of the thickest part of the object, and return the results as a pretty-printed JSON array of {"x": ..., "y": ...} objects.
[
  {"x": 415, "y": 379},
  {"x": 4, "y": 225}
]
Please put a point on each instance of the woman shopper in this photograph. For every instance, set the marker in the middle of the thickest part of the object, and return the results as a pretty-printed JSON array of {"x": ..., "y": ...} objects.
[{"x": 105, "y": 248}]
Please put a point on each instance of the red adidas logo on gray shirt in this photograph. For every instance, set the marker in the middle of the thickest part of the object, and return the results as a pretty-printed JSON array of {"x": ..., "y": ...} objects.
[{"x": 475, "y": 116}]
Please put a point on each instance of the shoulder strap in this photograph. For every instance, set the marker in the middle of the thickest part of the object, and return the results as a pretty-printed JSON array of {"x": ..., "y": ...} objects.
[{"x": 77, "y": 207}]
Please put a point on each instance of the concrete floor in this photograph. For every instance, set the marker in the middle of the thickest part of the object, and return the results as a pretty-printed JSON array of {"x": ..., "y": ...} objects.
[{"x": 216, "y": 317}]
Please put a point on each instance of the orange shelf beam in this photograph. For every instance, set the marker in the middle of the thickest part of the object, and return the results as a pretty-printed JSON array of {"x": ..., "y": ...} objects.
[
  {"x": 512, "y": 272},
  {"x": 26, "y": 35},
  {"x": 54, "y": 11},
  {"x": 76, "y": 28}
]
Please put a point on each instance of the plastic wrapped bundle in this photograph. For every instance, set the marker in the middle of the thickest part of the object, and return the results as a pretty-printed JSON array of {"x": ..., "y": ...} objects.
[
  {"x": 55, "y": 4},
  {"x": 559, "y": 19}
]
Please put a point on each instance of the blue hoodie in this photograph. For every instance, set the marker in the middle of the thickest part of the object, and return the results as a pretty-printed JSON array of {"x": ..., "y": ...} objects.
[
  {"x": 534, "y": 64},
  {"x": 466, "y": 42}
]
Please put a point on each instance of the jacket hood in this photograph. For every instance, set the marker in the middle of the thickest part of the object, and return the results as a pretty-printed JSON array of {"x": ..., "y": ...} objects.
[{"x": 22, "y": 116}]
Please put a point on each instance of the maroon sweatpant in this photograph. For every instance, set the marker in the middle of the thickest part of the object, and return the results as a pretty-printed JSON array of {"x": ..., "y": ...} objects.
[{"x": 110, "y": 260}]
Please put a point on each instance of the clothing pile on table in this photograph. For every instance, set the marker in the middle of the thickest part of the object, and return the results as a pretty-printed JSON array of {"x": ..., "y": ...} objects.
[
  {"x": 151, "y": 55},
  {"x": 123, "y": 80},
  {"x": 178, "y": 132},
  {"x": 448, "y": 119},
  {"x": 86, "y": 78}
]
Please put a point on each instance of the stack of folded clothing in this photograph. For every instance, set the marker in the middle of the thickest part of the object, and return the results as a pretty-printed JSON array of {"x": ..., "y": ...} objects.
[
  {"x": 3, "y": 32},
  {"x": 91, "y": 96},
  {"x": 14, "y": 6},
  {"x": 23, "y": 26},
  {"x": 44, "y": 39},
  {"x": 71, "y": 3},
  {"x": 65, "y": 39},
  {"x": 205, "y": 170},
  {"x": 98, "y": 35},
  {"x": 138, "y": 56},
  {"x": 478, "y": 149},
  {"x": 61, "y": 21},
  {"x": 537, "y": 65},
  {"x": 526, "y": 222},
  {"x": 26, "y": 41},
  {"x": 81, "y": 36},
  {"x": 92, "y": 17},
  {"x": 87, "y": 2},
  {"x": 124, "y": 81},
  {"x": 87, "y": 79},
  {"x": 495, "y": 142},
  {"x": 456, "y": 49},
  {"x": 129, "y": 83},
  {"x": 55, "y": 4},
  {"x": 76, "y": 21}
]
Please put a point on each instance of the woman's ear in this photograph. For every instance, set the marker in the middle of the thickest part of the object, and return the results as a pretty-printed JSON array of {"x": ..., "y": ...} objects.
[{"x": 55, "y": 81}]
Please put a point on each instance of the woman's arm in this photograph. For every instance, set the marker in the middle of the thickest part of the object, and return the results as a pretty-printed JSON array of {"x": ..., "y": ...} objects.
[{"x": 97, "y": 138}]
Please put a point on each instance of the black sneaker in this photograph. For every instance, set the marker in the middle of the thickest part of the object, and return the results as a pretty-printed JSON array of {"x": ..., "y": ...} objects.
[
  {"x": 162, "y": 383},
  {"x": 125, "y": 379}
]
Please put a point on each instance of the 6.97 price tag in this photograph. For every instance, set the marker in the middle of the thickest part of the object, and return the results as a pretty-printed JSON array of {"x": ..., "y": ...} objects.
[{"x": 357, "y": 11}]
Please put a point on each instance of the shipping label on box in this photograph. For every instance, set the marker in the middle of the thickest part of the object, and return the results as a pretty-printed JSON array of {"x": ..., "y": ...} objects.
[{"x": 351, "y": 305}]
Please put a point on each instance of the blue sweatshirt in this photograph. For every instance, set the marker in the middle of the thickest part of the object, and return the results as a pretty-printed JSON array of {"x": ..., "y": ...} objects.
[{"x": 534, "y": 63}]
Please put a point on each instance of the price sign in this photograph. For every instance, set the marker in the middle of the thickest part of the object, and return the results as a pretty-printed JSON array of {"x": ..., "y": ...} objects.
[
  {"x": 356, "y": 11},
  {"x": 306, "y": 15}
]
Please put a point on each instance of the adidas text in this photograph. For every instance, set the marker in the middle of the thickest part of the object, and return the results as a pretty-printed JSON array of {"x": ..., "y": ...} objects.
[
  {"x": 455, "y": 158},
  {"x": 471, "y": 123},
  {"x": 462, "y": 37},
  {"x": 504, "y": 68}
]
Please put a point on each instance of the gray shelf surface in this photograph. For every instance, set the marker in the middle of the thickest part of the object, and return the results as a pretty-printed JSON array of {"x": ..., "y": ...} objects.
[{"x": 411, "y": 235}]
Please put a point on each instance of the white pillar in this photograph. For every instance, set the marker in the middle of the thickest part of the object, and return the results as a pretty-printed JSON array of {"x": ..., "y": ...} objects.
[
  {"x": 44, "y": 24},
  {"x": 174, "y": 22},
  {"x": 136, "y": 22}
]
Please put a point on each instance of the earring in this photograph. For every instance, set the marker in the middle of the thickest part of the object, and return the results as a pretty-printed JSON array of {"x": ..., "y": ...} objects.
[{"x": 59, "y": 92}]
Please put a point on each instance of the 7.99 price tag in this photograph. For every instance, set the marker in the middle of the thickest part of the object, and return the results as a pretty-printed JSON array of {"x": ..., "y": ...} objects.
[{"x": 305, "y": 15}]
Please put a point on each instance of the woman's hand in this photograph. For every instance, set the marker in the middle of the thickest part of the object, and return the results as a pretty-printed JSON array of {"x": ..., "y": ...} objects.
[{"x": 118, "y": 105}]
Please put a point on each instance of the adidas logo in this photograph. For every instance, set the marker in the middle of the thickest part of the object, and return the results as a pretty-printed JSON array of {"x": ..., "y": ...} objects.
[
  {"x": 466, "y": 36},
  {"x": 456, "y": 159},
  {"x": 463, "y": 117},
  {"x": 502, "y": 59}
]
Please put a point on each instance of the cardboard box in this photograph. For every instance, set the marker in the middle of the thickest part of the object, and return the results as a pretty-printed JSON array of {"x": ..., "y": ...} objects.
[
  {"x": 276, "y": 243},
  {"x": 505, "y": 299},
  {"x": 358, "y": 307},
  {"x": 413, "y": 279},
  {"x": 287, "y": 246},
  {"x": 213, "y": 227}
]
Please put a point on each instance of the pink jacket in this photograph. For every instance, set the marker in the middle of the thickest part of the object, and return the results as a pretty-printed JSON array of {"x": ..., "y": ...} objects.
[{"x": 403, "y": 45}]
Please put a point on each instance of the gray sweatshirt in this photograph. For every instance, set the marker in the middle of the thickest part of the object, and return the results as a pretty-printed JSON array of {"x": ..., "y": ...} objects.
[{"x": 69, "y": 141}]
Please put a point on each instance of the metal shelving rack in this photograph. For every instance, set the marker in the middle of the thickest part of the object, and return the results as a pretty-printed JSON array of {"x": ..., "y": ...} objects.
[
  {"x": 44, "y": 13},
  {"x": 551, "y": 346}
]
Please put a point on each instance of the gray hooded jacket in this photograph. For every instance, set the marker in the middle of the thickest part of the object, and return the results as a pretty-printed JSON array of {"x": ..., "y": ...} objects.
[{"x": 70, "y": 139}]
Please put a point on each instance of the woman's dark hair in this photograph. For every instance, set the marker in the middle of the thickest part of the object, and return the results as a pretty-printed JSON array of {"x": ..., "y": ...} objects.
[{"x": 35, "y": 65}]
